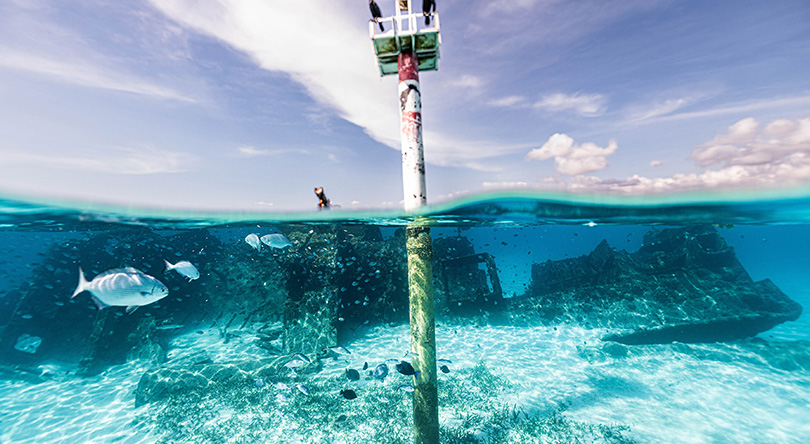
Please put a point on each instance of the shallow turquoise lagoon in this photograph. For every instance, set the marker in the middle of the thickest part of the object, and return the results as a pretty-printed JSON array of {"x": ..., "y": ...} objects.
[{"x": 559, "y": 319}]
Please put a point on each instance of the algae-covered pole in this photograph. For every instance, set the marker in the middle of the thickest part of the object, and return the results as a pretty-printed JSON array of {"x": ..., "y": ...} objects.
[
  {"x": 423, "y": 335},
  {"x": 420, "y": 256}
]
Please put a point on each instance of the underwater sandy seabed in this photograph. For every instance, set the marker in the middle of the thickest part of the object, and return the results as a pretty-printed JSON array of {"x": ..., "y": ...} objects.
[{"x": 506, "y": 384}]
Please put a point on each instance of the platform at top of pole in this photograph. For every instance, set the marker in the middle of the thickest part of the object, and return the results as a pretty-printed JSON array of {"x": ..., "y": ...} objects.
[{"x": 406, "y": 31}]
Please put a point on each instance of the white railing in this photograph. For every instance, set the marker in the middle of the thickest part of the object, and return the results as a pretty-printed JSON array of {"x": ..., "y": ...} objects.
[{"x": 403, "y": 23}]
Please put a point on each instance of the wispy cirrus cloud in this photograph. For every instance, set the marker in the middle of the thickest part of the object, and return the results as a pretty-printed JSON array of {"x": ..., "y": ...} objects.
[
  {"x": 112, "y": 160},
  {"x": 729, "y": 109},
  {"x": 83, "y": 73},
  {"x": 251, "y": 151},
  {"x": 336, "y": 71},
  {"x": 583, "y": 104}
]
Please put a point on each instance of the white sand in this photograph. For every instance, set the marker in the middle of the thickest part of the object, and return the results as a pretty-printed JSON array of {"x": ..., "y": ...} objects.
[{"x": 662, "y": 394}]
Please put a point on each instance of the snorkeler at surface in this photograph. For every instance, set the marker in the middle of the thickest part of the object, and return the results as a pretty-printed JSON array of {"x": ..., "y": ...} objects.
[{"x": 323, "y": 201}]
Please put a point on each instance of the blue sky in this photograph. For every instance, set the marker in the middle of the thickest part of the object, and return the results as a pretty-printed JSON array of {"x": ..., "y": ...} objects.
[{"x": 250, "y": 104}]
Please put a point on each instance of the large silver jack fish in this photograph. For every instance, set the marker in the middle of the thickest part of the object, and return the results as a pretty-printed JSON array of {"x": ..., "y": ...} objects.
[{"x": 123, "y": 287}]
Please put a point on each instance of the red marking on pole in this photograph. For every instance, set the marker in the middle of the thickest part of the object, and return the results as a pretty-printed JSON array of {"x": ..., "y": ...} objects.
[
  {"x": 411, "y": 126},
  {"x": 408, "y": 65}
]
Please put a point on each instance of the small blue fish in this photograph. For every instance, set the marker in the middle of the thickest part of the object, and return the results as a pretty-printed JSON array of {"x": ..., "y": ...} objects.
[
  {"x": 352, "y": 374},
  {"x": 406, "y": 368},
  {"x": 302, "y": 389},
  {"x": 406, "y": 388}
]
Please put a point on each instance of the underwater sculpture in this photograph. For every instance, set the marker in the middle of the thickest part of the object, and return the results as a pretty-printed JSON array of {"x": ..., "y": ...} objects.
[{"x": 683, "y": 284}]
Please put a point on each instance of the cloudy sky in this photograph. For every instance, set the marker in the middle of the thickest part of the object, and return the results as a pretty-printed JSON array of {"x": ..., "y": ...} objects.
[{"x": 250, "y": 104}]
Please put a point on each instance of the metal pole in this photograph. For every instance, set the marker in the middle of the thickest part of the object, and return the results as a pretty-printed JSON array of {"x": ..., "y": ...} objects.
[
  {"x": 420, "y": 256},
  {"x": 410, "y": 106}
]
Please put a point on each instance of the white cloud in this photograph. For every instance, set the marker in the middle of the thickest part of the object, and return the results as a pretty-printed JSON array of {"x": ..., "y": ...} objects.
[
  {"x": 116, "y": 160},
  {"x": 655, "y": 163},
  {"x": 570, "y": 158},
  {"x": 509, "y": 102},
  {"x": 744, "y": 143},
  {"x": 735, "y": 108},
  {"x": 745, "y": 156},
  {"x": 321, "y": 46},
  {"x": 251, "y": 151},
  {"x": 638, "y": 115},
  {"x": 582, "y": 104},
  {"x": 504, "y": 185},
  {"x": 82, "y": 73},
  {"x": 466, "y": 81}
]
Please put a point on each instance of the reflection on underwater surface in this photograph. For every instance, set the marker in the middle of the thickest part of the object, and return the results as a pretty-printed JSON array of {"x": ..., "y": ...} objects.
[{"x": 526, "y": 300}]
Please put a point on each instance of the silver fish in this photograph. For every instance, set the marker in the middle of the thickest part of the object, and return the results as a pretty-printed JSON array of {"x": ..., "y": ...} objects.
[
  {"x": 253, "y": 241},
  {"x": 125, "y": 287},
  {"x": 185, "y": 268},
  {"x": 380, "y": 372},
  {"x": 302, "y": 389},
  {"x": 338, "y": 350},
  {"x": 294, "y": 363},
  {"x": 276, "y": 241},
  {"x": 303, "y": 357}
]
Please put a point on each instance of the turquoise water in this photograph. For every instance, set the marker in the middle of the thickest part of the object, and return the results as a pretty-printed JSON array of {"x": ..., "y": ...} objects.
[{"x": 529, "y": 363}]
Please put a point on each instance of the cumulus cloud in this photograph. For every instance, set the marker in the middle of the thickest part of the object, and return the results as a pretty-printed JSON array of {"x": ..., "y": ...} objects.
[
  {"x": 582, "y": 104},
  {"x": 745, "y": 143},
  {"x": 573, "y": 159},
  {"x": 746, "y": 156}
]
